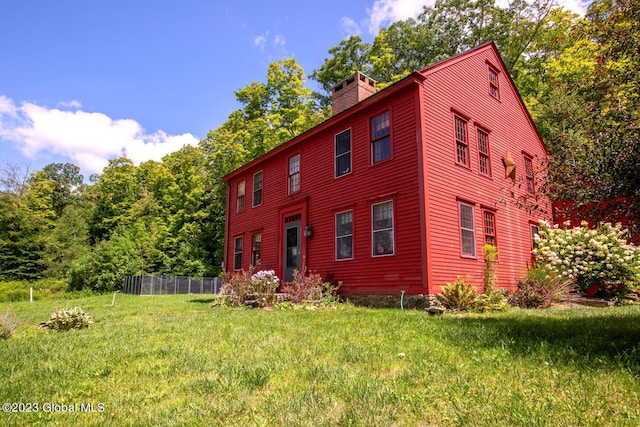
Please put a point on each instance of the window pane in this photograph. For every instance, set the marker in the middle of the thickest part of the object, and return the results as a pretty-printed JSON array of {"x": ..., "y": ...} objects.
[
  {"x": 380, "y": 126},
  {"x": 343, "y": 164},
  {"x": 466, "y": 217},
  {"x": 343, "y": 142},
  {"x": 343, "y": 223},
  {"x": 468, "y": 243},
  {"x": 383, "y": 242},
  {"x": 382, "y": 149},
  {"x": 383, "y": 216},
  {"x": 345, "y": 247},
  {"x": 238, "y": 244}
]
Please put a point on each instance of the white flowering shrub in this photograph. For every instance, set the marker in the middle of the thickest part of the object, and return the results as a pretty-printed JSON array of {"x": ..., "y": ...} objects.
[
  {"x": 600, "y": 256},
  {"x": 264, "y": 284},
  {"x": 65, "y": 319}
]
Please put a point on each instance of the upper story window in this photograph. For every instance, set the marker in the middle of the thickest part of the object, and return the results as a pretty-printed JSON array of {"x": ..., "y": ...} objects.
[
  {"x": 380, "y": 138},
  {"x": 344, "y": 235},
  {"x": 494, "y": 84},
  {"x": 382, "y": 230},
  {"x": 237, "y": 253},
  {"x": 483, "y": 153},
  {"x": 343, "y": 153},
  {"x": 462, "y": 143},
  {"x": 528, "y": 172},
  {"x": 257, "y": 189},
  {"x": 240, "y": 197},
  {"x": 467, "y": 231},
  {"x": 294, "y": 174},
  {"x": 489, "y": 227}
]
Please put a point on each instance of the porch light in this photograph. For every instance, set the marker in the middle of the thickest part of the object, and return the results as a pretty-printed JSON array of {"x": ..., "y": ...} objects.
[{"x": 308, "y": 231}]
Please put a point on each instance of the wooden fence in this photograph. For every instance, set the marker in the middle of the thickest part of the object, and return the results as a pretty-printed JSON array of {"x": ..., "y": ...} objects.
[{"x": 167, "y": 285}]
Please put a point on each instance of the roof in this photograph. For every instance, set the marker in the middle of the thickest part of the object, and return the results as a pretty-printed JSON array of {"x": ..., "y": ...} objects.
[{"x": 415, "y": 77}]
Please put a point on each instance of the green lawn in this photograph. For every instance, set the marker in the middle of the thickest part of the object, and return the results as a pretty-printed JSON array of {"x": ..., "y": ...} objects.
[{"x": 173, "y": 360}]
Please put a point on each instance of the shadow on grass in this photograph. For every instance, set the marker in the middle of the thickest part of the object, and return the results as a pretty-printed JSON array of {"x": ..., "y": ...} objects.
[
  {"x": 202, "y": 301},
  {"x": 598, "y": 340}
]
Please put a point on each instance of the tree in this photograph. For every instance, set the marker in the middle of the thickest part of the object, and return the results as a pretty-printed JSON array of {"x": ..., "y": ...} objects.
[
  {"x": 594, "y": 128},
  {"x": 271, "y": 113}
]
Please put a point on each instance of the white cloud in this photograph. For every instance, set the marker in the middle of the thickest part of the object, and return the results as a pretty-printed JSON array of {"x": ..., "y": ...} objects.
[
  {"x": 73, "y": 104},
  {"x": 349, "y": 27},
  {"x": 385, "y": 12},
  {"x": 88, "y": 139},
  {"x": 279, "y": 41},
  {"x": 260, "y": 41}
]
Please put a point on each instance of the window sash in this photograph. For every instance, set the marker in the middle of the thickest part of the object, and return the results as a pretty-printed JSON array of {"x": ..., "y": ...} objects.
[
  {"x": 294, "y": 174},
  {"x": 382, "y": 229},
  {"x": 255, "y": 249},
  {"x": 494, "y": 87},
  {"x": 343, "y": 152},
  {"x": 344, "y": 235},
  {"x": 528, "y": 170},
  {"x": 257, "y": 189},
  {"x": 380, "y": 137},
  {"x": 467, "y": 230},
  {"x": 490, "y": 228},
  {"x": 462, "y": 146},
  {"x": 240, "y": 198},
  {"x": 483, "y": 153},
  {"x": 237, "y": 253}
]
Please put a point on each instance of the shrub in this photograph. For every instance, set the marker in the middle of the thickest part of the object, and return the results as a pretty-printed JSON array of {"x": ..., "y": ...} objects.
[
  {"x": 494, "y": 300},
  {"x": 305, "y": 286},
  {"x": 8, "y": 324},
  {"x": 601, "y": 256},
  {"x": 459, "y": 296},
  {"x": 65, "y": 319},
  {"x": 238, "y": 286},
  {"x": 489, "y": 269},
  {"x": 541, "y": 289}
]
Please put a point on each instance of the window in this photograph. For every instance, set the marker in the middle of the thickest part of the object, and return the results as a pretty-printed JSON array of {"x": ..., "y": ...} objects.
[
  {"x": 494, "y": 87},
  {"x": 240, "y": 198},
  {"x": 257, "y": 189},
  {"x": 237, "y": 253},
  {"x": 383, "y": 229},
  {"x": 380, "y": 137},
  {"x": 294, "y": 173},
  {"x": 256, "y": 240},
  {"x": 343, "y": 153},
  {"x": 489, "y": 228},
  {"x": 483, "y": 153},
  {"x": 467, "y": 231},
  {"x": 344, "y": 235},
  {"x": 462, "y": 146},
  {"x": 528, "y": 171},
  {"x": 534, "y": 232}
]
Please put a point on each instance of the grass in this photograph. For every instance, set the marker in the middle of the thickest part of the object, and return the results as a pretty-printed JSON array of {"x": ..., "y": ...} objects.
[{"x": 173, "y": 360}]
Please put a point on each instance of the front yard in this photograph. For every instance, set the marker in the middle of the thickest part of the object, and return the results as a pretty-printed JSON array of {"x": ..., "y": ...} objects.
[{"x": 174, "y": 360}]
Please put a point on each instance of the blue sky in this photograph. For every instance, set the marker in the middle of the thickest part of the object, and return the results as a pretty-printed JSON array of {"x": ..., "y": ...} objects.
[{"x": 84, "y": 81}]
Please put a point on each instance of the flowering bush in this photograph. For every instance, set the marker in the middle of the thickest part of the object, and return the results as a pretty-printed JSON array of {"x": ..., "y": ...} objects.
[
  {"x": 592, "y": 257},
  {"x": 264, "y": 284}
]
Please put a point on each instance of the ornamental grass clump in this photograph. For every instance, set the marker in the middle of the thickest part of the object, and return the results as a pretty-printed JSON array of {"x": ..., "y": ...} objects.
[
  {"x": 65, "y": 319},
  {"x": 592, "y": 257},
  {"x": 8, "y": 324}
]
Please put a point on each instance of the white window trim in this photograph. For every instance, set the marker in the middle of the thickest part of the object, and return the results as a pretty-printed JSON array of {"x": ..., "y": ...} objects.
[
  {"x": 473, "y": 230},
  {"x": 337, "y": 237},
  {"x": 253, "y": 190},
  {"x": 393, "y": 229},
  {"x": 335, "y": 155},
  {"x": 235, "y": 239}
]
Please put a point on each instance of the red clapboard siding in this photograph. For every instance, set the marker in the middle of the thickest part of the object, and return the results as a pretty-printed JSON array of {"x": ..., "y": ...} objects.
[{"x": 425, "y": 190}]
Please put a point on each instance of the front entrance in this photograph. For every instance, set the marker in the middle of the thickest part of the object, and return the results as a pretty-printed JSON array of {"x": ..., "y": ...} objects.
[{"x": 291, "y": 249}]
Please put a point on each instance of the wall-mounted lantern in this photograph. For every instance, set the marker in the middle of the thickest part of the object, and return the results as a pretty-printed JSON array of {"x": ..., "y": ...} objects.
[{"x": 308, "y": 231}]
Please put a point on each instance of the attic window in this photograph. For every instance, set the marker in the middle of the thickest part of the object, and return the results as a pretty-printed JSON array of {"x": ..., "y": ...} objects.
[{"x": 494, "y": 85}]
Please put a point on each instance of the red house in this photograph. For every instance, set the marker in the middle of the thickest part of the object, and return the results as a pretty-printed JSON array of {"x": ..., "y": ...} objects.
[{"x": 399, "y": 190}]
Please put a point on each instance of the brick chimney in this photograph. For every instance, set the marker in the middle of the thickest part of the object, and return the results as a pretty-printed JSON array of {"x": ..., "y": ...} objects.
[{"x": 354, "y": 89}]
